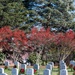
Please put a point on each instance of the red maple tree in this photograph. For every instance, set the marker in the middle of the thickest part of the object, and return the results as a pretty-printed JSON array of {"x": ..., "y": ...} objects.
[
  {"x": 64, "y": 44},
  {"x": 42, "y": 41},
  {"x": 13, "y": 42}
]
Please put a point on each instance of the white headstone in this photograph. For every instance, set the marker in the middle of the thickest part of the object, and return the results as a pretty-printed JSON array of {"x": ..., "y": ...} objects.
[
  {"x": 63, "y": 72},
  {"x": 62, "y": 62},
  {"x": 49, "y": 66},
  {"x": 47, "y": 72},
  {"x": 36, "y": 66},
  {"x": 63, "y": 66},
  {"x": 3, "y": 74},
  {"x": 23, "y": 66},
  {"x": 14, "y": 71},
  {"x": 1, "y": 70},
  {"x": 7, "y": 63},
  {"x": 16, "y": 63},
  {"x": 72, "y": 61},
  {"x": 30, "y": 71}
]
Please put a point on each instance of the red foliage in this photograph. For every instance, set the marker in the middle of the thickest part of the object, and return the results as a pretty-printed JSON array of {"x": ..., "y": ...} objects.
[
  {"x": 19, "y": 37},
  {"x": 71, "y": 66},
  {"x": 70, "y": 34},
  {"x": 9, "y": 38},
  {"x": 41, "y": 36},
  {"x": 74, "y": 68},
  {"x": 35, "y": 71},
  {"x": 22, "y": 71},
  {"x": 35, "y": 39},
  {"x": 5, "y": 32}
]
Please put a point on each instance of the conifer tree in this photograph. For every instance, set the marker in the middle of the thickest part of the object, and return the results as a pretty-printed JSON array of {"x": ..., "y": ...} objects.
[
  {"x": 13, "y": 13},
  {"x": 54, "y": 13},
  {"x": 24, "y": 14}
]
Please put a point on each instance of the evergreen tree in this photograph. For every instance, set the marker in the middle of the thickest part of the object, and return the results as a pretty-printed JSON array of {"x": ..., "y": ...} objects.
[
  {"x": 54, "y": 13},
  {"x": 13, "y": 13},
  {"x": 24, "y": 14}
]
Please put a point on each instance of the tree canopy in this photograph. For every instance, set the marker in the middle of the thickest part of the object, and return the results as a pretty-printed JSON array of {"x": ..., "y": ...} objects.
[
  {"x": 24, "y": 14},
  {"x": 53, "y": 13},
  {"x": 16, "y": 43},
  {"x": 14, "y": 14}
]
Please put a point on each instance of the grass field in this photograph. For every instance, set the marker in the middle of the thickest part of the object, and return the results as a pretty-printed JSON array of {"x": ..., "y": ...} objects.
[{"x": 54, "y": 72}]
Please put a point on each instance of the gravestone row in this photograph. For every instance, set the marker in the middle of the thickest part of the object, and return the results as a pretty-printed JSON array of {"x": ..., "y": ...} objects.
[
  {"x": 30, "y": 71},
  {"x": 63, "y": 68},
  {"x": 49, "y": 68}
]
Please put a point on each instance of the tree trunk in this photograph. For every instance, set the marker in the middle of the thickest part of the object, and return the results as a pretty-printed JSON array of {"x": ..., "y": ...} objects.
[
  {"x": 38, "y": 57},
  {"x": 13, "y": 56}
]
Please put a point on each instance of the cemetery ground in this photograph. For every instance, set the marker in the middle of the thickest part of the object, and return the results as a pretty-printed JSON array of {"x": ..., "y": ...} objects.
[{"x": 54, "y": 72}]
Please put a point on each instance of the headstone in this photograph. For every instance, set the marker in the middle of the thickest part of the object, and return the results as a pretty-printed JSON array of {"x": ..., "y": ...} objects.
[
  {"x": 63, "y": 72},
  {"x": 16, "y": 63},
  {"x": 7, "y": 64},
  {"x": 36, "y": 66},
  {"x": 23, "y": 66},
  {"x": 1, "y": 70},
  {"x": 30, "y": 71},
  {"x": 49, "y": 66},
  {"x": 14, "y": 71},
  {"x": 72, "y": 62},
  {"x": 47, "y": 72},
  {"x": 3, "y": 74},
  {"x": 62, "y": 62},
  {"x": 63, "y": 66}
]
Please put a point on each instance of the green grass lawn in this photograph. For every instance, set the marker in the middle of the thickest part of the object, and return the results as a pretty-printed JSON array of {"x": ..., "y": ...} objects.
[
  {"x": 8, "y": 71},
  {"x": 54, "y": 72}
]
